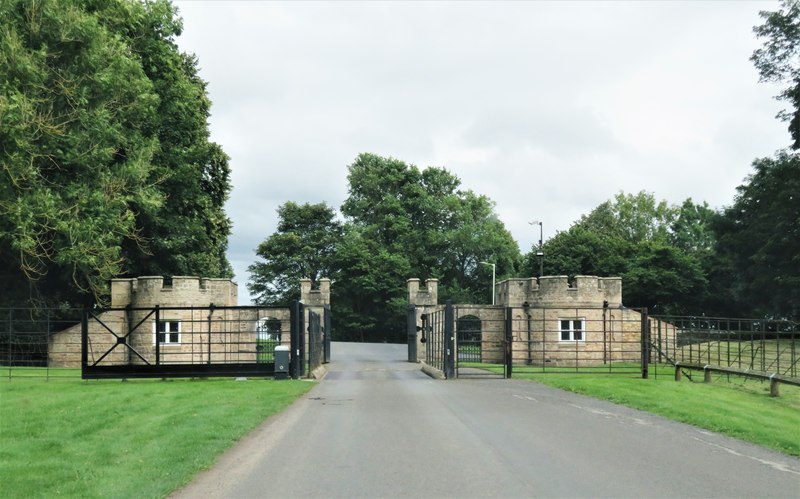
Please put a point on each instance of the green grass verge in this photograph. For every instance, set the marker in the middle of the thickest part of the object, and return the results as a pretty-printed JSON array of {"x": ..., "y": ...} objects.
[
  {"x": 729, "y": 405},
  {"x": 142, "y": 438}
]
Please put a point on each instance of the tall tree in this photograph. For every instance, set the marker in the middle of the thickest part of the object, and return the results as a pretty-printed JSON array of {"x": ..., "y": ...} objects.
[
  {"x": 303, "y": 247},
  {"x": 778, "y": 60},
  {"x": 107, "y": 166},
  {"x": 405, "y": 222},
  {"x": 188, "y": 234},
  {"x": 75, "y": 108},
  {"x": 760, "y": 234},
  {"x": 660, "y": 251}
]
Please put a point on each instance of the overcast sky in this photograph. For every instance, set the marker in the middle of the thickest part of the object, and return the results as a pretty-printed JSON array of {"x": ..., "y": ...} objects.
[{"x": 547, "y": 108}]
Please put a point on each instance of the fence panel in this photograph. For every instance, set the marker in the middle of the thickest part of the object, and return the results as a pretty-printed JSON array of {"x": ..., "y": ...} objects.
[
  {"x": 26, "y": 347},
  {"x": 597, "y": 340},
  {"x": 763, "y": 345}
]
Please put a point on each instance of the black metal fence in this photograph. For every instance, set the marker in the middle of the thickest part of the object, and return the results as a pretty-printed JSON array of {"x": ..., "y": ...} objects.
[
  {"x": 597, "y": 340},
  {"x": 494, "y": 341},
  {"x": 24, "y": 341},
  {"x": 768, "y": 346},
  {"x": 179, "y": 341}
]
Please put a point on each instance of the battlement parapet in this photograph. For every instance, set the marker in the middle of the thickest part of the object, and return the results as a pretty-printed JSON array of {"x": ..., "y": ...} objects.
[
  {"x": 427, "y": 296},
  {"x": 148, "y": 291},
  {"x": 556, "y": 291},
  {"x": 315, "y": 297}
]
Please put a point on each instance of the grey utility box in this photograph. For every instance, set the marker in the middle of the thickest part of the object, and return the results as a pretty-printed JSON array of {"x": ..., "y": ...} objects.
[{"x": 281, "y": 362}]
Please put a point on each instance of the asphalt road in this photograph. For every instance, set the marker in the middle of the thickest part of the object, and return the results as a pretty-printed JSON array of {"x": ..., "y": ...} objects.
[{"x": 378, "y": 427}]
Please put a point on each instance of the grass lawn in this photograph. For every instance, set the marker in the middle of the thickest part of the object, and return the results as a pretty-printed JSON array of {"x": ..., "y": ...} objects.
[
  {"x": 729, "y": 405},
  {"x": 143, "y": 438}
]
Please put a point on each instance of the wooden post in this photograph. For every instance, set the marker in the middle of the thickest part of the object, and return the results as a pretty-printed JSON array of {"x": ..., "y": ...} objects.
[
  {"x": 706, "y": 374},
  {"x": 678, "y": 372},
  {"x": 774, "y": 390}
]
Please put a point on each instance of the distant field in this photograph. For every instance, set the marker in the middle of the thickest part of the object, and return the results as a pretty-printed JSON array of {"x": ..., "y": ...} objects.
[{"x": 144, "y": 438}]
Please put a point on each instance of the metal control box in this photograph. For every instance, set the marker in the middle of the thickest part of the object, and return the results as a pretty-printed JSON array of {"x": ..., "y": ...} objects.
[{"x": 282, "y": 362}]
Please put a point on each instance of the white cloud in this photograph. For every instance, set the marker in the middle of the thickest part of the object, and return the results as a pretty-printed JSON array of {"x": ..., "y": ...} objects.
[{"x": 548, "y": 108}]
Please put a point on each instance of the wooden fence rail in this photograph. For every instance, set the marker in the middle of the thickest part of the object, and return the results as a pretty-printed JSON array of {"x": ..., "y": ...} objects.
[{"x": 774, "y": 378}]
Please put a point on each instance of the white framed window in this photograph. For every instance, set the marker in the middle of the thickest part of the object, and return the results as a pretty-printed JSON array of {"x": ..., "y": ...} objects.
[
  {"x": 167, "y": 332},
  {"x": 572, "y": 329}
]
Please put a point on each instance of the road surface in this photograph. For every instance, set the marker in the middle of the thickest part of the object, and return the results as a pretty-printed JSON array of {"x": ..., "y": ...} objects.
[{"x": 378, "y": 427}]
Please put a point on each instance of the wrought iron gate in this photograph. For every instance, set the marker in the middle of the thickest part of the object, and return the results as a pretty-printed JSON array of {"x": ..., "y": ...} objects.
[{"x": 481, "y": 343}]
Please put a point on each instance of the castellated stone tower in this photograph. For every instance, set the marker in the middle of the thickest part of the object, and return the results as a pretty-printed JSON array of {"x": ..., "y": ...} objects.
[{"x": 428, "y": 296}]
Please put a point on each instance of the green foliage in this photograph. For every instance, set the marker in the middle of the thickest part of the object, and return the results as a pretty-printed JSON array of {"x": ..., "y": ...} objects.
[
  {"x": 404, "y": 222},
  {"x": 107, "y": 169},
  {"x": 77, "y": 155},
  {"x": 303, "y": 247},
  {"x": 68, "y": 438},
  {"x": 759, "y": 236},
  {"x": 777, "y": 60},
  {"x": 663, "y": 253},
  {"x": 401, "y": 222}
]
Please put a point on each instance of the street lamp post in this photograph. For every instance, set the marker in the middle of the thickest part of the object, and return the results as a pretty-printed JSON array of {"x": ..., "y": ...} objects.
[
  {"x": 493, "y": 276},
  {"x": 539, "y": 253}
]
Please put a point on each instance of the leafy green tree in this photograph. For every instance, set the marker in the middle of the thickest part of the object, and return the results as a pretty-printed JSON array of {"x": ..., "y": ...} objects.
[
  {"x": 106, "y": 161},
  {"x": 303, "y": 247},
  {"x": 405, "y": 222},
  {"x": 632, "y": 217},
  {"x": 660, "y": 251},
  {"x": 188, "y": 234},
  {"x": 77, "y": 151},
  {"x": 778, "y": 60},
  {"x": 760, "y": 236}
]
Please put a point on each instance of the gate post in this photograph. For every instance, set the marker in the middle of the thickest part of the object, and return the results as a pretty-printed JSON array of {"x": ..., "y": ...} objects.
[
  {"x": 327, "y": 334},
  {"x": 411, "y": 330},
  {"x": 449, "y": 342},
  {"x": 84, "y": 342},
  {"x": 509, "y": 342},
  {"x": 645, "y": 343},
  {"x": 296, "y": 340}
]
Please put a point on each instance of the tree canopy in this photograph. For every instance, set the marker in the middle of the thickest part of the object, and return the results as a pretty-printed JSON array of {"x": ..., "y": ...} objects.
[
  {"x": 759, "y": 235},
  {"x": 656, "y": 248},
  {"x": 105, "y": 151},
  {"x": 778, "y": 60},
  {"x": 304, "y": 246},
  {"x": 399, "y": 222}
]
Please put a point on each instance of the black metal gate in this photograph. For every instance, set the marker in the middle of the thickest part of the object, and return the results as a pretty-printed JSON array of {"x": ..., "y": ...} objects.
[
  {"x": 163, "y": 342},
  {"x": 316, "y": 341},
  {"x": 438, "y": 335}
]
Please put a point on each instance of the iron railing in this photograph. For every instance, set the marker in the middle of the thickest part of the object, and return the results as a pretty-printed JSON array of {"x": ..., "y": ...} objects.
[{"x": 763, "y": 345}]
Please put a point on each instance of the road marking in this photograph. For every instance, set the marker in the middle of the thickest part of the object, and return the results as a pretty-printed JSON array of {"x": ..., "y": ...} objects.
[
  {"x": 612, "y": 415},
  {"x": 772, "y": 464}
]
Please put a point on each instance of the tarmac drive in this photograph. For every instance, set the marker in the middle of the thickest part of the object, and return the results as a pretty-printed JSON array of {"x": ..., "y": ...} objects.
[{"x": 376, "y": 426}]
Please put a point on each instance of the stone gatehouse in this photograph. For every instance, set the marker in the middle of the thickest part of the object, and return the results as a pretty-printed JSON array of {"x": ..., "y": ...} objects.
[{"x": 548, "y": 321}]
